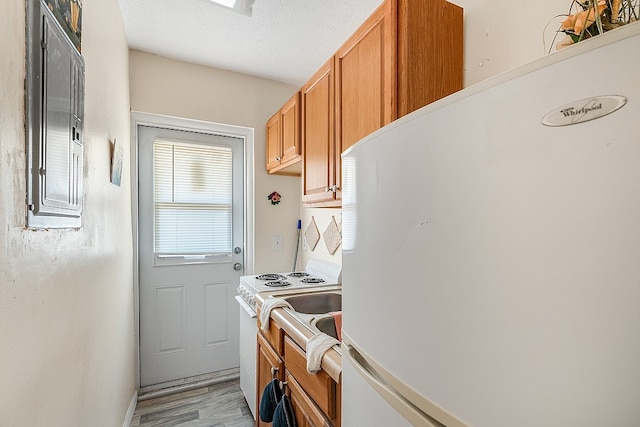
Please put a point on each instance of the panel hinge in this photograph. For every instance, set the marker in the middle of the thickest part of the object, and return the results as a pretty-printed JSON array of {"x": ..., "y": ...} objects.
[
  {"x": 42, "y": 171},
  {"x": 43, "y": 44}
]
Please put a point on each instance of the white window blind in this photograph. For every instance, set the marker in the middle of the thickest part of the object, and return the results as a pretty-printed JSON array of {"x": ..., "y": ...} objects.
[{"x": 192, "y": 199}]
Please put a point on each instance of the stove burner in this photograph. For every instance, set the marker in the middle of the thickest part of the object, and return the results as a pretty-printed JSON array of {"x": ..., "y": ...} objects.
[
  {"x": 312, "y": 280},
  {"x": 271, "y": 277},
  {"x": 298, "y": 274},
  {"x": 278, "y": 284}
]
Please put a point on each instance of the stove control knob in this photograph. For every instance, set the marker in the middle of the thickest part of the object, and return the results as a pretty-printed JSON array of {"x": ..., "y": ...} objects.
[{"x": 252, "y": 301}]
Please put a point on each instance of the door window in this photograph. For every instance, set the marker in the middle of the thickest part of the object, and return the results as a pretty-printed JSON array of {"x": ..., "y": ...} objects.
[{"x": 193, "y": 192}]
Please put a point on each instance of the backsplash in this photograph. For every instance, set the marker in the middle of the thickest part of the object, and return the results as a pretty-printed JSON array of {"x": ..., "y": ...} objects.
[{"x": 328, "y": 235}]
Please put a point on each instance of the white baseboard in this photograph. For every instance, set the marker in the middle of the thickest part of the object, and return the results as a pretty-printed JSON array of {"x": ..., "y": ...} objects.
[{"x": 132, "y": 407}]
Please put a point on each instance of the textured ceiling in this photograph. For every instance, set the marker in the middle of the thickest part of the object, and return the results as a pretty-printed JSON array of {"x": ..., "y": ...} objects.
[{"x": 284, "y": 40}]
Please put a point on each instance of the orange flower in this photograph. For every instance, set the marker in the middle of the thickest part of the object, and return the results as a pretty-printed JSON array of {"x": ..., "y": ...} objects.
[{"x": 577, "y": 22}]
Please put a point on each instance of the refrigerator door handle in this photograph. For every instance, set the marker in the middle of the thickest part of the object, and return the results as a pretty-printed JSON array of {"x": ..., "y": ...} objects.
[{"x": 415, "y": 415}]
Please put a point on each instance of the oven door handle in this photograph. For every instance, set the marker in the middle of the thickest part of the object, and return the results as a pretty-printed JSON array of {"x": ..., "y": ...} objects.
[{"x": 246, "y": 307}]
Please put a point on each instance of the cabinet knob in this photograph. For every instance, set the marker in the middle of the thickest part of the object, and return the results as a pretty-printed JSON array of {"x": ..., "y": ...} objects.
[
  {"x": 278, "y": 158},
  {"x": 334, "y": 188}
]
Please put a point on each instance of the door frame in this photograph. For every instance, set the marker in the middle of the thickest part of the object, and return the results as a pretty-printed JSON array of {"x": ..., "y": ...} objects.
[{"x": 177, "y": 123}]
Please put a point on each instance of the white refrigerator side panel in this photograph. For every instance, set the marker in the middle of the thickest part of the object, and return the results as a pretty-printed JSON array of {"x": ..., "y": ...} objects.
[
  {"x": 494, "y": 263},
  {"x": 362, "y": 406}
]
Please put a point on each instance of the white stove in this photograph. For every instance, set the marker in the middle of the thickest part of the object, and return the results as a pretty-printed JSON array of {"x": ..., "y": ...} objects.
[{"x": 317, "y": 273}]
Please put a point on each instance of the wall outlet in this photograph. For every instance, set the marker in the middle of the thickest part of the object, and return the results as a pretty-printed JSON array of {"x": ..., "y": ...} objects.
[{"x": 277, "y": 243}]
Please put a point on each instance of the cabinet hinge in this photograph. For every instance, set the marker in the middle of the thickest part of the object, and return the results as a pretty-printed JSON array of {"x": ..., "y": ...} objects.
[
  {"x": 42, "y": 172},
  {"x": 43, "y": 45}
]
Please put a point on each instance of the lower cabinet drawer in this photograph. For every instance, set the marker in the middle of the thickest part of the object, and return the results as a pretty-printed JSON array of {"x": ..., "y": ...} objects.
[
  {"x": 306, "y": 412},
  {"x": 320, "y": 387}
]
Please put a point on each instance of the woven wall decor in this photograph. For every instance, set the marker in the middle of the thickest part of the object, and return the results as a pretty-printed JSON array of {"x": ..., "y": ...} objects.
[
  {"x": 312, "y": 234},
  {"x": 332, "y": 236}
]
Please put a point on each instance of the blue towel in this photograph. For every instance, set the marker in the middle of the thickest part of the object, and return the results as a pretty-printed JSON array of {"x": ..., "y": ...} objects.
[
  {"x": 271, "y": 397},
  {"x": 283, "y": 415}
]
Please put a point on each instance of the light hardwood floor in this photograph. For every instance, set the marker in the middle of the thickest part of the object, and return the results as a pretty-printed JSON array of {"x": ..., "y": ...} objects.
[{"x": 218, "y": 405}]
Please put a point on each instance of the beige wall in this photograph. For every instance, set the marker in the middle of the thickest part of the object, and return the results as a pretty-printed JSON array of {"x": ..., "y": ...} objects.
[
  {"x": 500, "y": 35},
  {"x": 173, "y": 88},
  {"x": 66, "y": 301}
]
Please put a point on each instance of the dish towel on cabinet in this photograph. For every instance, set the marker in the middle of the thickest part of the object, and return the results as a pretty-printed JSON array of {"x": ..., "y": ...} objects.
[
  {"x": 317, "y": 346},
  {"x": 271, "y": 397},
  {"x": 283, "y": 415},
  {"x": 265, "y": 311}
]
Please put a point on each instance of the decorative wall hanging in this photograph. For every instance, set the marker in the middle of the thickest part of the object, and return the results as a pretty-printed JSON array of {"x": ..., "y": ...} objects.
[
  {"x": 274, "y": 198},
  {"x": 69, "y": 14},
  {"x": 332, "y": 236},
  {"x": 312, "y": 234}
]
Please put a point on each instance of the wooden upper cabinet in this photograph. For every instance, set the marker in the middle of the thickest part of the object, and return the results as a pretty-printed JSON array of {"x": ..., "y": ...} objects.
[
  {"x": 365, "y": 78},
  {"x": 290, "y": 117},
  {"x": 273, "y": 141},
  {"x": 429, "y": 52},
  {"x": 319, "y": 151},
  {"x": 407, "y": 54},
  {"x": 283, "y": 146}
]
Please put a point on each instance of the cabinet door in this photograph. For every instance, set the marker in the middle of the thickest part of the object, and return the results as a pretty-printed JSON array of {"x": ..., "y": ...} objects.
[
  {"x": 290, "y": 122},
  {"x": 366, "y": 78},
  {"x": 430, "y": 52},
  {"x": 319, "y": 151},
  {"x": 306, "y": 412},
  {"x": 274, "y": 142},
  {"x": 268, "y": 365}
]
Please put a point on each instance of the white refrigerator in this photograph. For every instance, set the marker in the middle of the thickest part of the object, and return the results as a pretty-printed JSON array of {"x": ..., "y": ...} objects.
[{"x": 491, "y": 251}]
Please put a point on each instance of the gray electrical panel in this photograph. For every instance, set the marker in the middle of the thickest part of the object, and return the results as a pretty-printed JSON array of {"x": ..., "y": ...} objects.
[{"x": 55, "y": 114}]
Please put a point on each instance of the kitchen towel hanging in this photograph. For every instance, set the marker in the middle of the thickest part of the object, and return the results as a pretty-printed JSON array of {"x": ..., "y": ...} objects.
[
  {"x": 317, "y": 346},
  {"x": 271, "y": 397},
  {"x": 283, "y": 415},
  {"x": 265, "y": 311}
]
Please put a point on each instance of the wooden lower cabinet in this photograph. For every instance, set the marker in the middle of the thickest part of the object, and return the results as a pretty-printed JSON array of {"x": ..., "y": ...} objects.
[
  {"x": 269, "y": 365},
  {"x": 315, "y": 398},
  {"x": 316, "y": 394}
]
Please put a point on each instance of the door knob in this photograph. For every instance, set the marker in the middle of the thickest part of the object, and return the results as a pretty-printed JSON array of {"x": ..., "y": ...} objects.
[{"x": 237, "y": 266}]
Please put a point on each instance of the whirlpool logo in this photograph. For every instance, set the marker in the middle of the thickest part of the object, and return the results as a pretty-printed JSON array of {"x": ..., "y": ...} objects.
[{"x": 584, "y": 110}]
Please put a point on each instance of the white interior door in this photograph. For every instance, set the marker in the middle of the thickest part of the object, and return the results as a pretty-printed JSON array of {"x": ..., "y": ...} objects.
[{"x": 191, "y": 255}]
